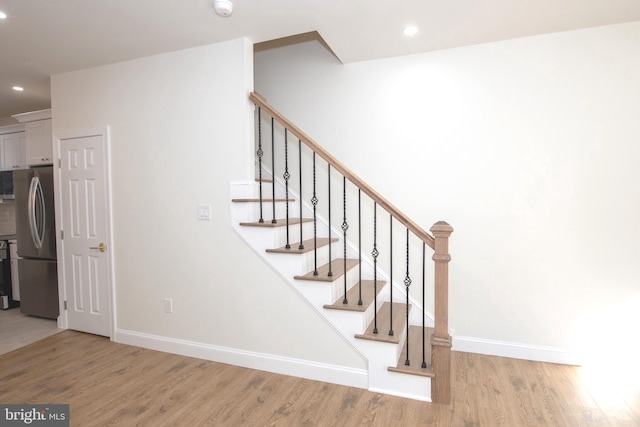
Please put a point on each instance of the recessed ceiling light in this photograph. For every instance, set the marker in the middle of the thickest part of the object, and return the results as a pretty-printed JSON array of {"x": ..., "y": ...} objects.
[
  {"x": 18, "y": 88},
  {"x": 411, "y": 30},
  {"x": 3, "y": 15}
]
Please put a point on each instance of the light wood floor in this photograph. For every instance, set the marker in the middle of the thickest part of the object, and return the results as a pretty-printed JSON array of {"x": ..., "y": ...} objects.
[
  {"x": 17, "y": 329},
  {"x": 114, "y": 384}
]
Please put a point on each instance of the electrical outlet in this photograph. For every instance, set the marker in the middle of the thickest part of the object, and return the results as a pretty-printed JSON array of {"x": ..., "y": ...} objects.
[{"x": 168, "y": 305}]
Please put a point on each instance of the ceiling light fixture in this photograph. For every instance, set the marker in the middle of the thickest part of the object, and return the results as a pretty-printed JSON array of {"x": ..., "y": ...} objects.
[
  {"x": 411, "y": 30},
  {"x": 18, "y": 88},
  {"x": 223, "y": 7},
  {"x": 3, "y": 15}
]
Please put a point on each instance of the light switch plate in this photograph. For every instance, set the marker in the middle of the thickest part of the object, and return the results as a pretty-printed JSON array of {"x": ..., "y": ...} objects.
[
  {"x": 168, "y": 305},
  {"x": 204, "y": 212}
]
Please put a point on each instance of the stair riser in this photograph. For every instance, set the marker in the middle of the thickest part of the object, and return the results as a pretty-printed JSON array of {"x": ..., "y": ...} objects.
[
  {"x": 337, "y": 286},
  {"x": 369, "y": 313},
  {"x": 308, "y": 259},
  {"x": 274, "y": 237},
  {"x": 320, "y": 292},
  {"x": 348, "y": 322},
  {"x": 282, "y": 264},
  {"x": 409, "y": 386},
  {"x": 253, "y": 210},
  {"x": 323, "y": 258},
  {"x": 414, "y": 315},
  {"x": 389, "y": 353},
  {"x": 280, "y": 234},
  {"x": 301, "y": 268},
  {"x": 267, "y": 191},
  {"x": 315, "y": 292}
]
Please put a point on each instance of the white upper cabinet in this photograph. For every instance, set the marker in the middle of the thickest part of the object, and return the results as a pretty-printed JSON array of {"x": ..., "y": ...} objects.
[
  {"x": 39, "y": 143},
  {"x": 13, "y": 151},
  {"x": 38, "y": 137},
  {"x": 12, "y": 148}
]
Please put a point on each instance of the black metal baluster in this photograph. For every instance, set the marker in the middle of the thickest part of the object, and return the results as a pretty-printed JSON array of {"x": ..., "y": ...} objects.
[
  {"x": 330, "y": 273},
  {"x": 273, "y": 174},
  {"x": 260, "y": 154},
  {"x": 286, "y": 177},
  {"x": 301, "y": 246},
  {"x": 407, "y": 283},
  {"x": 359, "y": 250},
  {"x": 374, "y": 254},
  {"x": 345, "y": 227},
  {"x": 391, "y": 275},
  {"x": 314, "y": 202},
  {"x": 424, "y": 363}
]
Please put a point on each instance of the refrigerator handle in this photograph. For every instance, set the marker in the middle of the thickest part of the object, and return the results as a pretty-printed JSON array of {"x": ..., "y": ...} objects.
[{"x": 36, "y": 212}]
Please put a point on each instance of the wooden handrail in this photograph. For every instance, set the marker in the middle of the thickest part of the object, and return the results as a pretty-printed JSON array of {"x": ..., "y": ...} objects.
[{"x": 346, "y": 172}]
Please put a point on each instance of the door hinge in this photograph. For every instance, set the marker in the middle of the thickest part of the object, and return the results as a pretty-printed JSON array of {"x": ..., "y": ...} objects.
[
  {"x": 65, "y": 305},
  {"x": 59, "y": 163},
  {"x": 61, "y": 234}
]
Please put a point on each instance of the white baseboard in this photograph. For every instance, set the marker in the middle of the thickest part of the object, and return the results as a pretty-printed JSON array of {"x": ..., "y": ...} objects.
[
  {"x": 514, "y": 350},
  {"x": 316, "y": 371}
]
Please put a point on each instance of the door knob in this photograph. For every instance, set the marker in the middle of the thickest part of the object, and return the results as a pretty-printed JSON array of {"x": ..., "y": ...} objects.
[{"x": 101, "y": 247}]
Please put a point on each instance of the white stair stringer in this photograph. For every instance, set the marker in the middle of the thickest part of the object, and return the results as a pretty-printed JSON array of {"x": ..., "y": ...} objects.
[{"x": 380, "y": 355}]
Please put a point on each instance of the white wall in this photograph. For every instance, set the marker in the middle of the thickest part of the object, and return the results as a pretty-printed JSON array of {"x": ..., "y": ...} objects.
[
  {"x": 528, "y": 147},
  {"x": 181, "y": 129}
]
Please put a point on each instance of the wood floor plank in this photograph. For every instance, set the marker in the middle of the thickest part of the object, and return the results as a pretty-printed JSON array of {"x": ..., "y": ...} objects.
[
  {"x": 106, "y": 383},
  {"x": 564, "y": 381},
  {"x": 528, "y": 412},
  {"x": 465, "y": 411},
  {"x": 613, "y": 405},
  {"x": 466, "y": 370}
]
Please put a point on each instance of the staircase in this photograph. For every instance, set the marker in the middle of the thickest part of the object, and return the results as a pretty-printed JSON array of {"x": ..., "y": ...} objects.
[{"x": 325, "y": 262}]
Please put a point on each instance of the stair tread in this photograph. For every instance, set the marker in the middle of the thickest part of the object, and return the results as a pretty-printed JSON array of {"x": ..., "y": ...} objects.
[
  {"x": 308, "y": 246},
  {"x": 399, "y": 322},
  {"x": 353, "y": 296},
  {"x": 337, "y": 270},
  {"x": 415, "y": 353},
  {"x": 250, "y": 200},
  {"x": 281, "y": 222}
]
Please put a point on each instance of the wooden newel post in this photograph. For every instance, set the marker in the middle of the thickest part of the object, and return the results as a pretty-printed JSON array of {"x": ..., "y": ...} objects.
[{"x": 441, "y": 340}]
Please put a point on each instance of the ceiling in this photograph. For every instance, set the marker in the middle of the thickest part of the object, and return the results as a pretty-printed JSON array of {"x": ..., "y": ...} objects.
[{"x": 41, "y": 38}]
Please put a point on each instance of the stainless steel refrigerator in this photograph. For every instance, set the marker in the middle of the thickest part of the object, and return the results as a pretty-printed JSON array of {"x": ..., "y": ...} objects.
[{"x": 35, "y": 230}]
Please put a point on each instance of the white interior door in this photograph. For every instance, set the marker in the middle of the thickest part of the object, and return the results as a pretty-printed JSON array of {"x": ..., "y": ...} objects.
[{"x": 85, "y": 232}]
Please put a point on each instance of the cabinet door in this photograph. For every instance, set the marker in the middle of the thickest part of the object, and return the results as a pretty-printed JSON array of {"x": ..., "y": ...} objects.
[
  {"x": 13, "y": 151},
  {"x": 39, "y": 143}
]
